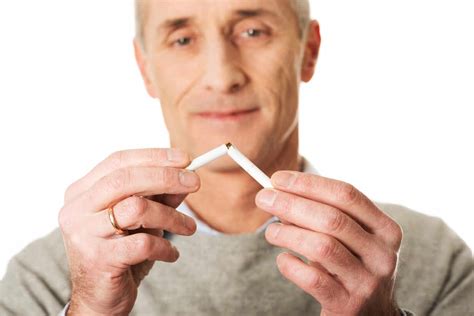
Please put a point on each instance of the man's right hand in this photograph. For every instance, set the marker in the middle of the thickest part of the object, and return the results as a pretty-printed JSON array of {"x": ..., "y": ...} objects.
[{"x": 145, "y": 185}]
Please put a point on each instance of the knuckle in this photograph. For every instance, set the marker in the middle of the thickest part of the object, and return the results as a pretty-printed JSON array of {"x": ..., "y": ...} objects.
[
  {"x": 65, "y": 219},
  {"x": 325, "y": 248},
  {"x": 300, "y": 239},
  {"x": 335, "y": 221},
  {"x": 397, "y": 232},
  {"x": 143, "y": 244},
  {"x": 394, "y": 232},
  {"x": 346, "y": 193},
  {"x": 397, "y": 236},
  {"x": 68, "y": 194},
  {"x": 115, "y": 159},
  {"x": 117, "y": 180},
  {"x": 388, "y": 264},
  {"x": 156, "y": 154},
  {"x": 315, "y": 281},
  {"x": 135, "y": 207}
]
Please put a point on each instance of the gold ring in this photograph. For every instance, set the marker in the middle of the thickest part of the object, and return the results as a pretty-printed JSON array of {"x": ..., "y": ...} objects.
[{"x": 113, "y": 221}]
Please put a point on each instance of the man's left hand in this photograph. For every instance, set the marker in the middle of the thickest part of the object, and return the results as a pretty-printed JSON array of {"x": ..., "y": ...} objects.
[{"x": 351, "y": 245}]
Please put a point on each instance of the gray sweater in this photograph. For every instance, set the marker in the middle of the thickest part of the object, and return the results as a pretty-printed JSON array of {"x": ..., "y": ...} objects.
[{"x": 237, "y": 275}]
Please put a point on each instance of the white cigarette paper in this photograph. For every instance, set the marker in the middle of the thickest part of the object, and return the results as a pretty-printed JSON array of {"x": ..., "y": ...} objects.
[
  {"x": 238, "y": 157},
  {"x": 249, "y": 166},
  {"x": 207, "y": 157}
]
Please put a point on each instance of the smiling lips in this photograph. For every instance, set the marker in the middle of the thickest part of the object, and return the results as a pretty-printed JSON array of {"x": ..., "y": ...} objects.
[{"x": 229, "y": 115}]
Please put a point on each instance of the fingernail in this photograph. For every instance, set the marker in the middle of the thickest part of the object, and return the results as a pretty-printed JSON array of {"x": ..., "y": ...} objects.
[
  {"x": 281, "y": 256},
  {"x": 274, "y": 229},
  {"x": 267, "y": 197},
  {"x": 188, "y": 178},
  {"x": 189, "y": 223},
  {"x": 176, "y": 155},
  {"x": 284, "y": 179},
  {"x": 176, "y": 252}
]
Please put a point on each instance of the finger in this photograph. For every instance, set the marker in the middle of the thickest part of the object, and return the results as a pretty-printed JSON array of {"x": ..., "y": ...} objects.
[
  {"x": 173, "y": 200},
  {"x": 143, "y": 181},
  {"x": 146, "y": 157},
  {"x": 322, "y": 286},
  {"x": 136, "y": 248},
  {"x": 136, "y": 212},
  {"x": 321, "y": 248},
  {"x": 152, "y": 231},
  {"x": 336, "y": 193},
  {"x": 317, "y": 217}
]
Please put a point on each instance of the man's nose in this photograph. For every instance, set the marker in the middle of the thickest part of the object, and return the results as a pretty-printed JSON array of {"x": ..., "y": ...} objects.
[{"x": 223, "y": 72}]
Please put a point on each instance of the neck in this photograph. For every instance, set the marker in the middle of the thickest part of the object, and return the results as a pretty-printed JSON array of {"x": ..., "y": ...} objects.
[{"x": 230, "y": 206}]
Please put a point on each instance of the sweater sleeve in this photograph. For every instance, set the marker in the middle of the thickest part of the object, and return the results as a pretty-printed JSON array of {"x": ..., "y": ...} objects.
[
  {"x": 37, "y": 279},
  {"x": 457, "y": 295},
  {"x": 435, "y": 271}
]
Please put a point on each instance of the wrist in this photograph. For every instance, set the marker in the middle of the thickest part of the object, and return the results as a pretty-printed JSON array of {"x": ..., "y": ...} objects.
[{"x": 76, "y": 308}]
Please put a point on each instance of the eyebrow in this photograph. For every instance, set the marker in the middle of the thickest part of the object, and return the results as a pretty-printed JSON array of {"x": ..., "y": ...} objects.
[
  {"x": 251, "y": 13},
  {"x": 176, "y": 23}
]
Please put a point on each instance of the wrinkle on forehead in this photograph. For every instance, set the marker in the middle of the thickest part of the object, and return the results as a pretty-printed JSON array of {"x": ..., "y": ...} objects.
[{"x": 294, "y": 10}]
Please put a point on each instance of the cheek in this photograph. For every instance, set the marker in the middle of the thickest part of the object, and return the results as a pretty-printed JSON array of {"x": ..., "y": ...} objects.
[
  {"x": 275, "y": 80},
  {"x": 173, "y": 80}
]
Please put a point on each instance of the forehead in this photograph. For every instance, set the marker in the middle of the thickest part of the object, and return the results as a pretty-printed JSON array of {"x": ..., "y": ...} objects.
[{"x": 164, "y": 10}]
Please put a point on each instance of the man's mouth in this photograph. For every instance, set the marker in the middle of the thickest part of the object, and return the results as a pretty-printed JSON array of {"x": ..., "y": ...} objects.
[{"x": 227, "y": 115}]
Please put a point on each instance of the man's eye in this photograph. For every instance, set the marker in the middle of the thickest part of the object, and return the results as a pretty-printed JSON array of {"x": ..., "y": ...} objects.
[
  {"x": 183, "y": 41},
  {"x": 252, "y": 33}
]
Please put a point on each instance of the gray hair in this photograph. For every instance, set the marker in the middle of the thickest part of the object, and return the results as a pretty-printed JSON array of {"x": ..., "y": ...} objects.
[{"x": 301, "y": 8}]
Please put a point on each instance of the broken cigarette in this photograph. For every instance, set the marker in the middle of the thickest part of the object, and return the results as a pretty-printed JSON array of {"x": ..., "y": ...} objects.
[
  {"x": 207, "y": 157},
  {"x": 238, "y": 157},
  {"x": 249, "y": 166}
]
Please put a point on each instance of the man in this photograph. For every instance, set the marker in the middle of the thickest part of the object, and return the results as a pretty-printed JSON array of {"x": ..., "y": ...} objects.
[{"x": 229, "y": 70}]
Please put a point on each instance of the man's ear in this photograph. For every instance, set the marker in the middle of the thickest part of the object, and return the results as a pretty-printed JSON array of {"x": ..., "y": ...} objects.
[
  {"x": 311, "y": 52},
  {"x": 140, "y": 57}
]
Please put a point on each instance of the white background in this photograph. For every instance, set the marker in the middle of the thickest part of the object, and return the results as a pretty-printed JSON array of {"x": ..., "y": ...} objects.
[{"x": 388, "y": 111}]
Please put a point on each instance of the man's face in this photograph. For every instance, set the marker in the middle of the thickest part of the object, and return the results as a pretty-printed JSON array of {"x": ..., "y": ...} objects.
[{"x": 225, "y": 71}]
